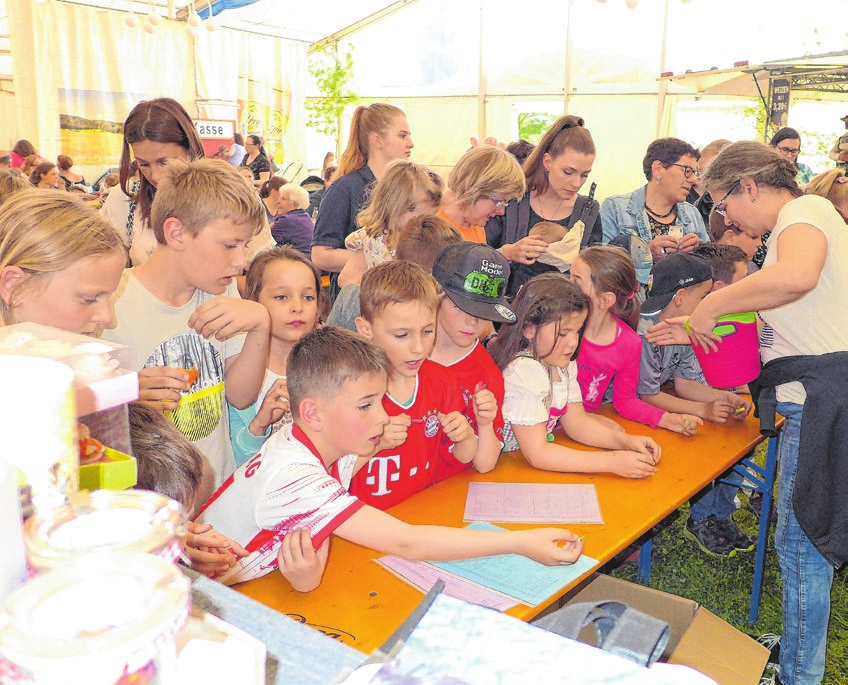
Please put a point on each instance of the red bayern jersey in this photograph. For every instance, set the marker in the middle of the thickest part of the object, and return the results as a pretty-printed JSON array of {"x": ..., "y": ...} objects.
[{"x": 393, "y": 475}]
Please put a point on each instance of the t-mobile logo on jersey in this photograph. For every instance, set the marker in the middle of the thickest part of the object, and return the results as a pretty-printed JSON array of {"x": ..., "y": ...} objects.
[{"x": 381, "y": 470}]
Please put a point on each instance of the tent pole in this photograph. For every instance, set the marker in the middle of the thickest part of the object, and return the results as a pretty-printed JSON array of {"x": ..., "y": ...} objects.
[
  {"x": 663, "y": 87},
  {"x": 566, "y": 95},
  {"x": 481, "y": 83}
]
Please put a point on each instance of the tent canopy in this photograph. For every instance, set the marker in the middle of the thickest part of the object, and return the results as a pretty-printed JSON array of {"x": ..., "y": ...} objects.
[{"x": 825, "y": 74}]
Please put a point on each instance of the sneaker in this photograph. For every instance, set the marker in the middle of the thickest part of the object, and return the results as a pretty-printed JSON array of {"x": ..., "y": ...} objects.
[
  {"x": 737, "y": 537},
  {"x": 755, "y": 506},
  {"x": 710, "y": 536},
  {"x": 772, "y": 643},
  {"x": 771, "y": 675}
]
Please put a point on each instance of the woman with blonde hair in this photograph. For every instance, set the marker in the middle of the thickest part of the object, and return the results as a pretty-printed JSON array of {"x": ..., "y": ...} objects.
[
  {"x": 555, "y": 171},
  {"x": 833, "y": 185},
  {"x": 481, "y": 184},
  {"x": 59, "y": 262},
  {"x": 379, "y": 134}
]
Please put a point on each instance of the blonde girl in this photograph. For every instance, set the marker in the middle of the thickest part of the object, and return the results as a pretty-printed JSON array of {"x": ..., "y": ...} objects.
[
  {"x": 833, "y": 185},
  {"x": 379, "y": 134},
  {"x": 481, "y": 184},
  {"x": 406, "y": 191},
  {"x": 611, "y": 349},
  {"x": 541, "y": 391},
  {"x": 59, "y": 262},
  {"x": 289, "y": 286}
]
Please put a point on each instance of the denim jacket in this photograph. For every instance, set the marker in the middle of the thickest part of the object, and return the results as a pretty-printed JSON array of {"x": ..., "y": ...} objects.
[{"x": 626, "y": 214}]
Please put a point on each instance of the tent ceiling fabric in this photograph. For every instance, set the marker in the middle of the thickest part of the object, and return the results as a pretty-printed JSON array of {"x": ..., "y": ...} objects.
[{"x": 303, "y": 21}]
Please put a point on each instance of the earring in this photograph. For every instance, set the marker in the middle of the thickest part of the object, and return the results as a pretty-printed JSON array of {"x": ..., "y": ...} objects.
[
  {"x": 659, "y": 181},
  {"x": 753, "y": 199}
]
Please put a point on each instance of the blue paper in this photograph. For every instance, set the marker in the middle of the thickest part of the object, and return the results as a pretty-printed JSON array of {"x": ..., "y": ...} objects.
[{"x": 514, "y": 575}]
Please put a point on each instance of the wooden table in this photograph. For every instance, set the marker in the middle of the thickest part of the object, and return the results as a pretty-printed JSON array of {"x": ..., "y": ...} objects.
[{"x": 361, "y": 604}]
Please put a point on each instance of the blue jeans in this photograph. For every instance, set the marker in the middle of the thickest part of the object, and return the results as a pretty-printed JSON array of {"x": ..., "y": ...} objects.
[
  {"x": 807, "y": 576},
  {"x": 717, "y": 499}
]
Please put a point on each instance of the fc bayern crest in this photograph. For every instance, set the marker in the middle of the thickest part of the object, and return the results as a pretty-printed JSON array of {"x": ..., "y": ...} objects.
[{"x": 431, "y": 425}]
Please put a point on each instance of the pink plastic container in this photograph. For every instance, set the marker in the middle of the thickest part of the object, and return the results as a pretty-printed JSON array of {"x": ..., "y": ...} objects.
[{"x": 737, "y": 360}]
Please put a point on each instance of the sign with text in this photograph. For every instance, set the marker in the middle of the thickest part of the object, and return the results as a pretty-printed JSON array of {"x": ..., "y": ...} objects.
[
  {"x": 780, "y": 92},
  {"x": 210, "y": 128}
]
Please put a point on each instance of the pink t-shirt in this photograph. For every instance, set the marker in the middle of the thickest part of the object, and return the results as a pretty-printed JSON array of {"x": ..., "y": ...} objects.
[{"x": 598, "y": 365}]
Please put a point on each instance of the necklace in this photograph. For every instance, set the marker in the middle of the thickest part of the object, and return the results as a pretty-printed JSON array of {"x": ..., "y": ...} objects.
[
  {"x": 658, "y": 215},
  {"x": 542, "y": 209}
]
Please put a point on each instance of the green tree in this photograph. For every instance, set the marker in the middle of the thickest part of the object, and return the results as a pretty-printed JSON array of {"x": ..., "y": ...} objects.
[
  {"x": 333, "y": 72},
  {"x": 532, "y": 125}
]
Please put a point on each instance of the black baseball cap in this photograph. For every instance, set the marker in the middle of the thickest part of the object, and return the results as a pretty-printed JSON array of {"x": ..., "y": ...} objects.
[
  {"x": 475, "y": 276},
  {"x": 670, "y": 274}
]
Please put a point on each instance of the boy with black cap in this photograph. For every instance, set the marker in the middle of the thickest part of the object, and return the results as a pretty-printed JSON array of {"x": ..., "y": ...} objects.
[
  {"x": 474, "y": 279},
  {"x": 677, "y": 283}
]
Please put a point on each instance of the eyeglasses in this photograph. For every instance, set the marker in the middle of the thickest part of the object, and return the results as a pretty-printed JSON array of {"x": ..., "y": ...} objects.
[
  {"x": 789, "y": 150},
  {"x": 499, "y": 204},
  {"x": 688, "y": 172},
  {"x": 718, "y": 205}
]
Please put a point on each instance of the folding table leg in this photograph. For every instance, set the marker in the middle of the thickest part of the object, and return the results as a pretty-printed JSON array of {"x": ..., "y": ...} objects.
[{"x": 644, "y": 572}]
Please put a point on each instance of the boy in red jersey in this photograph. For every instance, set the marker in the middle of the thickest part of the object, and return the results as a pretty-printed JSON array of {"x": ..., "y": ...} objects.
[
  {"x": 474, "y": 279},
  {"x": 398, "y": 301}
]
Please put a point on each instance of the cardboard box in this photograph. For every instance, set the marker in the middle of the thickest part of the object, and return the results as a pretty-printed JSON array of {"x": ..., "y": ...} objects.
[{"x": 699, "y": 639}]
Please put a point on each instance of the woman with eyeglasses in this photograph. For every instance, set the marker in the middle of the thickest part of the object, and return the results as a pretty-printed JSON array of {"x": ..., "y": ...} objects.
[
  {"x": 799, "y": 294},
  {"x": 554, "y": 172},
  {"x": 658, "y": 212},
  {"x": 787, "y": 143},
  {"x": 479, "y": 187}
]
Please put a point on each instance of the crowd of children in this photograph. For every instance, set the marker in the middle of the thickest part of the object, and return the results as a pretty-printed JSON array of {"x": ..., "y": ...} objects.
[{"x": 286, "y": 423}]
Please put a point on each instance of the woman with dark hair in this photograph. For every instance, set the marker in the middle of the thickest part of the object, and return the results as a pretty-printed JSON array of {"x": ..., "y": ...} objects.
[
  {"x": 555, "y": 171},
  {"x": 787, "y": 143},
  {"x": 45, "y": 175},
  {"x": 256, "y": 160},
  {"x": 658, "y": 213},
  {"x": 798, "y": 294},
  {"x": 66, "y": 172},
  {"x": 155, "y": 133},
  {"x": 270, "y": 194},
  {"x": 22, "y": 150}
]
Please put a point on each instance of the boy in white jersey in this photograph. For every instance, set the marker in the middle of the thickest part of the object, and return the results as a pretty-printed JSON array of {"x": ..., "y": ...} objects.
[{"x": 294, "y": 495}]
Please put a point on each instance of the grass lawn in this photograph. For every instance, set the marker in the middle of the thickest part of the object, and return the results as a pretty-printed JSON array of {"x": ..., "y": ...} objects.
[{"x": 723, "y": 585}]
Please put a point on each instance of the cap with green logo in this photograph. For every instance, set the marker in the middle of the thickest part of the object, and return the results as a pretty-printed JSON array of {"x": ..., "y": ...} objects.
[{"x": 475, "y": 277}]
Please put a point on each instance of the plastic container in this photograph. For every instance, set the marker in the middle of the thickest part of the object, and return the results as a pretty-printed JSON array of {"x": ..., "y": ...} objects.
[
  {"x": 737, "y": 360},
  {"x": 99, "y": 521},
  {"x": 103, "y": 619}
]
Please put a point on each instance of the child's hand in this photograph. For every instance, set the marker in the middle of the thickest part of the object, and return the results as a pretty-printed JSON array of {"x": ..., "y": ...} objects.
[
  {"x": 210, "y": 552},
  {"x": 719, "y": 410},
  {"x": 542, "y": 545},
  {"x": 274, "y": 405},
  {"x": 741, "y": 407},
  {"x": 646, "y": 445},
  {"x": 632, "y": 464},
  {"x": 160, "y": 386},
  {"x": 456, "y": 427},
  {"x": 686, "y": 424},
  {"x": 484, "y": 404},
  {"x": 394, "y": 432},
  {"x": 225, "y": 316},
  {"x": 300, "y": 563}
]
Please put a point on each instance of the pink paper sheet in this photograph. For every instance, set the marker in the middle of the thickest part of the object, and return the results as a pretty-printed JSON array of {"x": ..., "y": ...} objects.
[{"x": 532, "y": 503}]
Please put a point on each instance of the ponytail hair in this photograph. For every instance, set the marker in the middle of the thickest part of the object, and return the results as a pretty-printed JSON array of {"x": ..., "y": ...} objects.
[
  {"x": 367, "y": 120},
  {"x": 567, "y": 132},
  {"x": 273, "y": 183},
  {"x": 613, "y": 272}
]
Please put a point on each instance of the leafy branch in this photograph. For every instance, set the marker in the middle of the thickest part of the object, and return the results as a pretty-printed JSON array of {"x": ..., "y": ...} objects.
[{"x": 333, "y": 72}]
